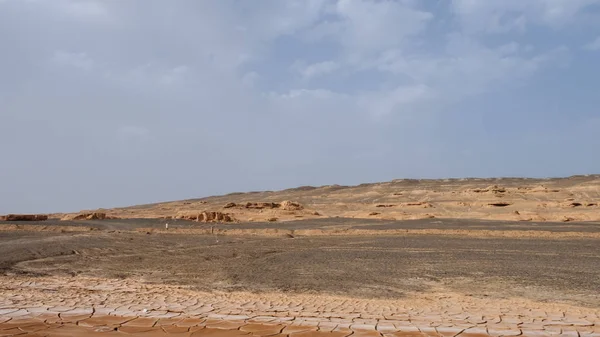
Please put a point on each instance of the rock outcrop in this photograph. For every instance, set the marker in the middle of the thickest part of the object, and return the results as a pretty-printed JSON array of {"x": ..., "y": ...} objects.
[
  {"x": 290, "y": 206},
  {"x": 491, "y": 189},
  {"x": 88, "y": 216},
  {"x": 24, "y": 217},
  {"x": 206, "y": 216},
  {"x": 284, "y": 205},
  {"x": 261, "y": 205}
]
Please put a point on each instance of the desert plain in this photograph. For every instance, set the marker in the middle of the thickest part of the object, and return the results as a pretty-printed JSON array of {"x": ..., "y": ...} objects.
[{"x": 452, "y": 257}]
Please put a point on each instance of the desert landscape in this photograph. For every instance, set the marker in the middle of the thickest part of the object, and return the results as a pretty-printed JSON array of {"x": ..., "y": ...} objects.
[
  {"x": 455, "y": 257},
  {"x": 513, "y": 199},
  {"x": 300, "y": 168}
]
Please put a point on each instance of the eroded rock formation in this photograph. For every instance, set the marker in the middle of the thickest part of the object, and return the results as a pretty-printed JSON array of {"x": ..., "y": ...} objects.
[
  {"x": 206, "y": 216},
  {"x": 284, "y": 205},
  {"x": 88, "y": 216},
  {"x": 24, "y": 217}
]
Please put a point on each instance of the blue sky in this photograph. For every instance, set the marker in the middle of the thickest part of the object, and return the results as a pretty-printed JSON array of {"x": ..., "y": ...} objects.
[{"x": 114, "y": 103}]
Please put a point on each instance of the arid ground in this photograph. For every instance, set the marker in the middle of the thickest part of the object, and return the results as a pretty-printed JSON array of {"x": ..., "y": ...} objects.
[
  {"x": 559, "y": 199},
  {"x": 405, "y": 258}
]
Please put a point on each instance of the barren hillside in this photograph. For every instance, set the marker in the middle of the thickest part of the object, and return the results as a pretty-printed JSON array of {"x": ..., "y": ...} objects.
[{"x": 575, "y": 198}]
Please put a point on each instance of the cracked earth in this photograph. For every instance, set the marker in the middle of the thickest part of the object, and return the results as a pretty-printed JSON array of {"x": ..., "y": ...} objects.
[{"x": 79, "y": 306}]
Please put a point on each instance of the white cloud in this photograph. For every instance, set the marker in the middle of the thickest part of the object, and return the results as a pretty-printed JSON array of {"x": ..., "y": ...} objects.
[
  {"x": 307, "y": 93},
  {"x": 466, "y": 68},
  {"x": 594, "y": 45},
  {"x": 386, "y": 36},
  {"x": 318, "y": 69},
  {"x": 510, "y": 48},
  {"x": 403, "y": 100},
  {"x": 250, "y": 78},
  {"x": 69, "y": 59},
  {"x": 278, "y": 17},
  {"x": 373, "y": 36},
  {"x": 174, "y": 75},
  {"x": 84, "y": 10},
  {"x": 366, "y": 27},
  {"x": 501, "y": 16},
  {"x": 149, "y": 75}
]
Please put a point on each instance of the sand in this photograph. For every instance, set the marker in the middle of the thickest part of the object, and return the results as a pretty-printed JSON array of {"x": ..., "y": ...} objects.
[{"x": 474, "y": 257}]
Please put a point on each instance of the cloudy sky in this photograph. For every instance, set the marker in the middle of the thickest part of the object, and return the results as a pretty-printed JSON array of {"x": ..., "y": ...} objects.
[{"x": 113, "y": 103}]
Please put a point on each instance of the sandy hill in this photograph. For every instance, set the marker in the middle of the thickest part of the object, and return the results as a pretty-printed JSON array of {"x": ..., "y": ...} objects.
[{"x": 575, "y": 198}]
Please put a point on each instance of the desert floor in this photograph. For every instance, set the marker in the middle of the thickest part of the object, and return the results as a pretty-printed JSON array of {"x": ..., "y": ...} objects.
[
  {"x": 439, "y": 258},
  {"x": 434, "y": 277}
]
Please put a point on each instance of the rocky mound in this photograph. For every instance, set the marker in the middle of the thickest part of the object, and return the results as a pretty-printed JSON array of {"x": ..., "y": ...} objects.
[
  {"x": 490, "y": 189},
  {"x": 88, "y": 216},
  {"x": 206, "y": 217},
  {"x": 24, "y": 217},
  {"x": 284, "y": 205},
  {"x": 290, "y": 206}
]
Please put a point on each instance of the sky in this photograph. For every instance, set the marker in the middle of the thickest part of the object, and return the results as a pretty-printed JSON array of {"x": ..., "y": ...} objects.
[{"x": 115, "y": 103}]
